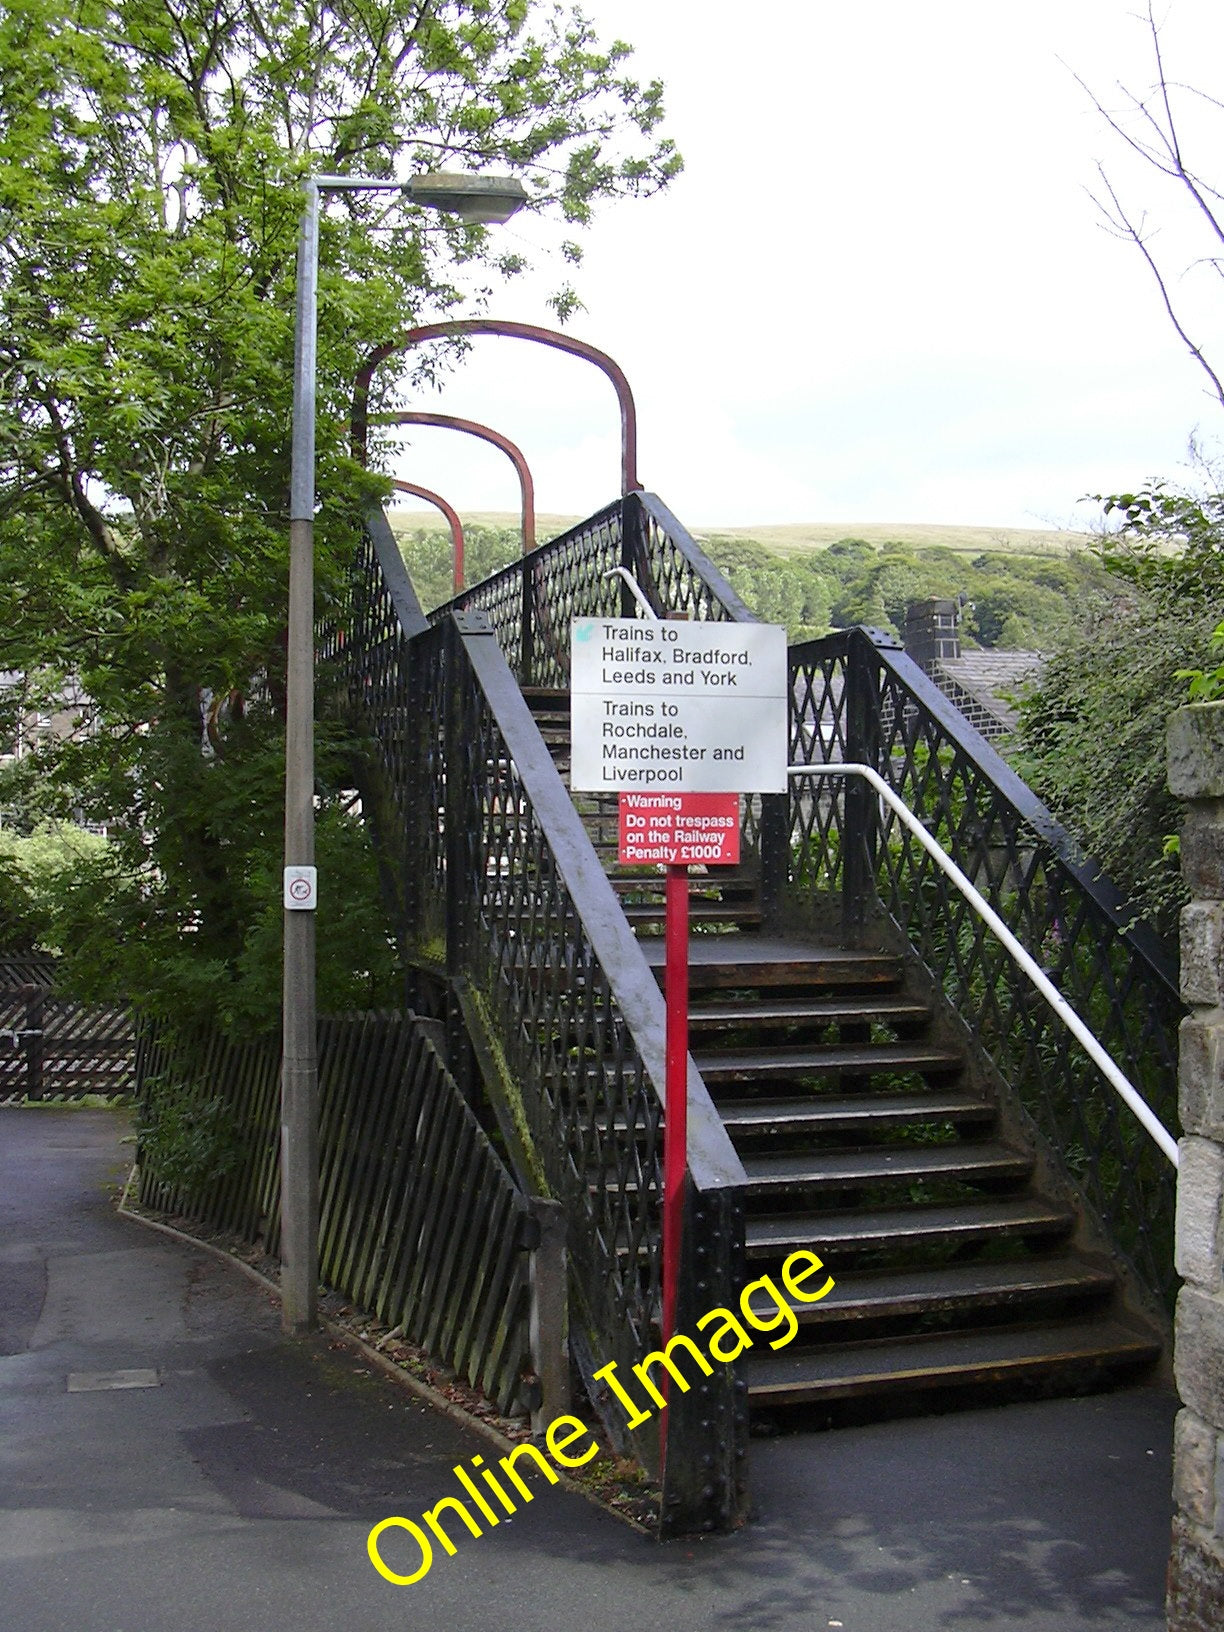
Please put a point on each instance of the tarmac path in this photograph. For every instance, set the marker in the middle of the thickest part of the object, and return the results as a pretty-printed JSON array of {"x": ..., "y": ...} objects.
[{"x": 236, "y": 1493}]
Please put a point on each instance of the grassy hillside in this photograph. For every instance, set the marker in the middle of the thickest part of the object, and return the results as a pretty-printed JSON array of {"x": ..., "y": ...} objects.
[{"x": 798, "y": 537}]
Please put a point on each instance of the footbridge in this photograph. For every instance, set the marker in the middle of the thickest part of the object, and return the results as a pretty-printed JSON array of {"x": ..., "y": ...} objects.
[{"x": 875, "y": 1077}]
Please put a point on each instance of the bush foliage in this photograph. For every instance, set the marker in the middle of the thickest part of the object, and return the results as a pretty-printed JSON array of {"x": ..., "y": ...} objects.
[{"x": 1093, "y": 736}]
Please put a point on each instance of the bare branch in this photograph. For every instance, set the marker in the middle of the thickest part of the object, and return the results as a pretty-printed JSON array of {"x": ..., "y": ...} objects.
[
  {"x": 1159, "y": 144},
  {"x": 1126, "y": 228}
]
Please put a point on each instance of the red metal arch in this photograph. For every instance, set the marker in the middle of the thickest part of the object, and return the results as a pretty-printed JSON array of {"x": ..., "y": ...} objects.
[
  {"x": 516, "y": 331},
  {"x": 449, "y": 422},
  {"x": 452, "y": 520}
]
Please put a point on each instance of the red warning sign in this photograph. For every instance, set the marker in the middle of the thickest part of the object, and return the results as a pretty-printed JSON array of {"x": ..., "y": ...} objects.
[{"x": 680, "y": 829}]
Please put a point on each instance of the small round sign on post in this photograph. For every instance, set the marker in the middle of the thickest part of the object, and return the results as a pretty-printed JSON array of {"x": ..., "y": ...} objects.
[{"x": 301, "y": 889}]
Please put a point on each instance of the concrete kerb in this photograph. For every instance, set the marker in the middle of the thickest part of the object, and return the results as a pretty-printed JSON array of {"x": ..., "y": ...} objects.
[{"x": 415, "y": 1385}]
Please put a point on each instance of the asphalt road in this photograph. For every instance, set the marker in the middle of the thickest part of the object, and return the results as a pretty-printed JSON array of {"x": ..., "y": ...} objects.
[{"x": 237, "y": 1493}]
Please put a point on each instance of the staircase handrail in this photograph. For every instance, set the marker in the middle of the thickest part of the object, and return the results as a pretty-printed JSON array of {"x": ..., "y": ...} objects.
[
  {"x": 1068, "y": 1015},
  {"x": 719, "y": 588},
  {"x": 714, "y": 1162},
  {"x": 403, "y": 596}
]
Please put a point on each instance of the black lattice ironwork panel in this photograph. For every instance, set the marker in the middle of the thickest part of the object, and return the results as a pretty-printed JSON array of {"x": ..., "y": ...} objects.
[
  {"x": 478, "y": 859},
  {"x": 594, "y": 1117},
  {"x": 679, "y": 585},
  {"x": 817, "y": 736},
  {"x": 532, "y": 603},
  {"x": 857, "y": 700}
]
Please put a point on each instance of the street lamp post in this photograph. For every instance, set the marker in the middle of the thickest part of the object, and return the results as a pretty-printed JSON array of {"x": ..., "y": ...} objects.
[{"x": 476, "y": 200}]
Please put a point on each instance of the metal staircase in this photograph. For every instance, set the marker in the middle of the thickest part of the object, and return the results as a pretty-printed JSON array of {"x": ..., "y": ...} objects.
[{"x": 865, "y": 1140}]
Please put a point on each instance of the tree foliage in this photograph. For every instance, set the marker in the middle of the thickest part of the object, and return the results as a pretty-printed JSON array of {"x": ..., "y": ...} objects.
[
  {"x": 1011, "y": 600},
  {"x": 151, "y": 155},
  {"x": 1095, "y": 734},
  {"x": 428, "y": 556}
]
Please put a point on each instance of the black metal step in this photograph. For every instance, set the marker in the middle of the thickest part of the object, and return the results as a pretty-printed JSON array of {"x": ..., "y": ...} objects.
[
  {"x": 862, "y": 1060},
  {"x": 993, "y": 1355},
  {"x": 737, "y": 911},
  {"x": 733, "y": 962},
  {"x": 886, "y": 1164},
  {"x": 938, "y": 1289},
  {"x": 859, "y": 1113},
  {"x": 1026, "y": 1218},
  {"x": 725, "y": 878},
  {"x": 797, "y": 1011}
]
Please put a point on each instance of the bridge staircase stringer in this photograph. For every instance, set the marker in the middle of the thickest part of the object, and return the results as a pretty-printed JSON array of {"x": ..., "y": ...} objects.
[{"x": 868, "y": 1081}]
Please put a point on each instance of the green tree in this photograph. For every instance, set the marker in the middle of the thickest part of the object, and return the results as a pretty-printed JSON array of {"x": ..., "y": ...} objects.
[
  {"x": 428, "y": 555},
  {"x": 151, "y": 155},
  {"x": 1095, "y": 734}
]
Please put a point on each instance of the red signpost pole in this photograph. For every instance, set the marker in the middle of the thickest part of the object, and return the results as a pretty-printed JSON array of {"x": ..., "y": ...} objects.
[
  {"x": 675, "y": 1140},
  {"x": 675, "y": 1128},
  {"x": 682, "y": 825}
]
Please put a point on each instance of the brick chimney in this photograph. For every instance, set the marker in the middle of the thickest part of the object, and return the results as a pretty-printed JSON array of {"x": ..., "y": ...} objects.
[{"x": 930, "y": 632}]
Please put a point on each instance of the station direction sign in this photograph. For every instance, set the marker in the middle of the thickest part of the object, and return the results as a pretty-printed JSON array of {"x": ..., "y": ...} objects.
[{"x": 681, "y": 707}]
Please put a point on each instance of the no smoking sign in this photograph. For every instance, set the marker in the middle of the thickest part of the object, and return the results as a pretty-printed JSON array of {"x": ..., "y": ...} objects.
[{"x": 301, "y": 889}]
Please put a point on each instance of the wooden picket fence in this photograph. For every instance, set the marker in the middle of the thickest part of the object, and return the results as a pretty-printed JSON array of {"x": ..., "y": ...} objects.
[{"x": 421, "y": 1225}]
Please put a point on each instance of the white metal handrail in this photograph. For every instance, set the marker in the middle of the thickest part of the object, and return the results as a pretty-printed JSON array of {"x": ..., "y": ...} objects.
[
  {"x": 1074, "y": 1024},
  {"x": 635, "y": 589}
]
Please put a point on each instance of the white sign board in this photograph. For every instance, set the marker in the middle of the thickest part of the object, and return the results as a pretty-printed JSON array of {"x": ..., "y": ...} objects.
[{"x": 694, "y": 707}]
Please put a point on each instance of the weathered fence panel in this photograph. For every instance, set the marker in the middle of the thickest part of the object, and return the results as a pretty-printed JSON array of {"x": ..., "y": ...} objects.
[
  {"x": 25, "y": 969},
  {"x": 420, "y": 1222}
]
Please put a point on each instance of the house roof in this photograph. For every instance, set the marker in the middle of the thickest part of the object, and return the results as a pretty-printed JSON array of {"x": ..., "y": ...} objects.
[{"x": 994, "y": 678}]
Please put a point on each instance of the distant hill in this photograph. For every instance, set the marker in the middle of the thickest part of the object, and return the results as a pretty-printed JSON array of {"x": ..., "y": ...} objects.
[
  {"x": 800, "y": 537},
  {"x": 411, "y": 521}
]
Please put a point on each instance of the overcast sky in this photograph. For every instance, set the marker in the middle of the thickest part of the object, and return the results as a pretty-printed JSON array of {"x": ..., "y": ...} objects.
[{"x": 880, "y": 290}]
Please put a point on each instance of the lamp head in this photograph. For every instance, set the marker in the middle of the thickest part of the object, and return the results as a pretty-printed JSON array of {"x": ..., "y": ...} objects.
[{"x": 476, "y": 200}]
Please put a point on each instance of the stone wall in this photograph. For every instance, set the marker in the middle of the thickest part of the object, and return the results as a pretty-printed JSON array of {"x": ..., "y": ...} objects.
[{"x": 1196, "y": 1568}]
